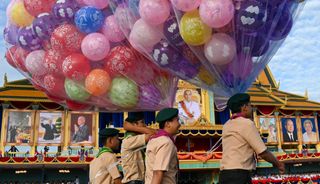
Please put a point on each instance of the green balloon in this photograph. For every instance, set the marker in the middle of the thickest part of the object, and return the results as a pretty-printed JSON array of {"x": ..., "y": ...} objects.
[
  {"x": 124, "y": 92},
  {"x": 75, "y": 91}
]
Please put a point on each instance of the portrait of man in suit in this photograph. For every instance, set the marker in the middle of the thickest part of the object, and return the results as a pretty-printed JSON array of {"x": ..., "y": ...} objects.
[
  {"x": 289, "y": 130},
  {"x": 50, "y": 130},
  {"x": 81, "y": 130},
  {"x": 50, "y": 127}
]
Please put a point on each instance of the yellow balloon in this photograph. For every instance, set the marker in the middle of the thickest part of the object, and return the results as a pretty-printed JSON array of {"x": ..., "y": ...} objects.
[
  {"x": 206, "y": 77},
  {"x": 193, "y": 30},
  {"x": 20, "y": 16}
]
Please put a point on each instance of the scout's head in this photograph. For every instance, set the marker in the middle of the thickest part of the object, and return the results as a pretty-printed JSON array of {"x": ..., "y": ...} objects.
[
  {"x": 240, "y": 103},
  {"x": 168, "y": 120},
  {"x": 136, "y": 119},
  {"x": 109, "y": 137}
]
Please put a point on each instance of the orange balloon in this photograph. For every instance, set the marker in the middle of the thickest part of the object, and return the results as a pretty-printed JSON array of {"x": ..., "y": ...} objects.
[{"x": 98, "y": 82}]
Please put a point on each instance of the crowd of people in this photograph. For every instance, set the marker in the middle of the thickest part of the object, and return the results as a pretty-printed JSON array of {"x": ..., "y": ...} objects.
[
  {"x": 158, "y": 164},
  {"x": 150, "y": 157}
]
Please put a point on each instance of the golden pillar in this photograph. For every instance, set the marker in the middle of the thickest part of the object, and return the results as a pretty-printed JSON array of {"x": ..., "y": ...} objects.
[
  {"x": 299, "y": 129},
  {"x": 278, "y": 122},
  {"x": 3, "y": 129},
  {"x": 255, "y": 117},
  {"x": 66, "y": 131},
  {"x": 96, "y": 137}
]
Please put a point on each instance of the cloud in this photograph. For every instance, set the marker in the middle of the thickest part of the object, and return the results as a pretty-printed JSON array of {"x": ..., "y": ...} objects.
[{"x": 296, "y": 64}]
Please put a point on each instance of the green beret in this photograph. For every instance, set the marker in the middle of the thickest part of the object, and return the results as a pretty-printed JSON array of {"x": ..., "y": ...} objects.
[
  {"x": 108, "y": 132},
  {"x": 130, "y": 119},
  {"x": 134, "y": 116},
  {"x": 138, "y": 116},
  {"x": 238, "y": 100},
  {"x": 166, "y": 114}
]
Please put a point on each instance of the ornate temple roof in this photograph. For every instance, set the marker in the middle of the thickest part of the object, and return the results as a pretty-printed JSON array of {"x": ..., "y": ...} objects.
[
  {"x": 265, "y": 91},
  {"x": 21, "y": 90}
]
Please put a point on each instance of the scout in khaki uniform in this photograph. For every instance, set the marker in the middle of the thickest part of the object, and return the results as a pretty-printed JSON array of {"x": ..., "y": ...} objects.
[
  {"x": 161, "y": 154},
  {"x": 240, "y": 141},
  {"x": 132, "y": 152},
  {"x": 103, "y": 169}
]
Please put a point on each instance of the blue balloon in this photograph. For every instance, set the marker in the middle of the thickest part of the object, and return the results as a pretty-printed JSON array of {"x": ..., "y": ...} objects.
[
  {"x": 89, "y": 19},
  {"x": 134, "y": 7}
]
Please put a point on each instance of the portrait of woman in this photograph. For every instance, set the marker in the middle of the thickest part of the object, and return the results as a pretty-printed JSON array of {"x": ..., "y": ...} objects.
[{"x": 309, "y": 134}]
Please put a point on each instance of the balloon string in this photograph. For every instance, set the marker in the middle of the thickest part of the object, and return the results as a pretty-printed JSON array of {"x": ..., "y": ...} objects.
[{"x": 216, "y": 146}]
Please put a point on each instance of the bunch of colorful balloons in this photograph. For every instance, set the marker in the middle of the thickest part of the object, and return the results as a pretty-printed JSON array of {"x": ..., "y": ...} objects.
[
  {"x": 76, "y": 52},
  {"x": 220, "y": 45}
]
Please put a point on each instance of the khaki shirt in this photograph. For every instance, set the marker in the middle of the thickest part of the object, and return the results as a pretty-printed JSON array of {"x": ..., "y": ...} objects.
[
  {"x": 240, "y": 139},
  {"x": 133, "y": 162},
  {"x": 161, "y": 155},
  {"x": 103, "y": 170}
]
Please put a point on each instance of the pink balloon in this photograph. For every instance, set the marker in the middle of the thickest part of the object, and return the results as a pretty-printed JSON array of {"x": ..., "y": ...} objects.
[
  {"x": 95, "y": 46},
  {"x": 35, "y": 62},
  {"x": 154, "y": 12},
  {"x": 186, "y": 5},
  {"x": 221, "y": 49},
  {"x": 144, "y": 36},
  {"x": 112, "y": 30},
  {"x": 100, "y": 4},
  {"x": 216, "y": 13},
  {"x": 124, "y": 17}
]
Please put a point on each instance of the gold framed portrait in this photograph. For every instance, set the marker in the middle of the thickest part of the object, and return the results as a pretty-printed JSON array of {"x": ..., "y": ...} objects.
[
  {"x": 309, "y": 130},
  {"x": 50, "y": 128},
  {"x": 19, "y": 126},
  {"x": 289, "y": 130},
  {"x": 189, "y": 103},
  {"x": 268, "y": 125},
  {"x": 82, "y": 128}
]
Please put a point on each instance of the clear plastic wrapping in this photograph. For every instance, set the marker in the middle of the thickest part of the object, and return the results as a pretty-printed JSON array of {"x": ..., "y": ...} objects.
[
  {"x": 76, "y": 52},
  {"x": 219, "y": 45}
]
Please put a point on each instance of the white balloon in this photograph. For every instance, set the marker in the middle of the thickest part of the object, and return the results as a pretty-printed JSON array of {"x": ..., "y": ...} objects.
[
  {"x": 221, "y": 49},
  {"x": 35, "y": 62}
]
